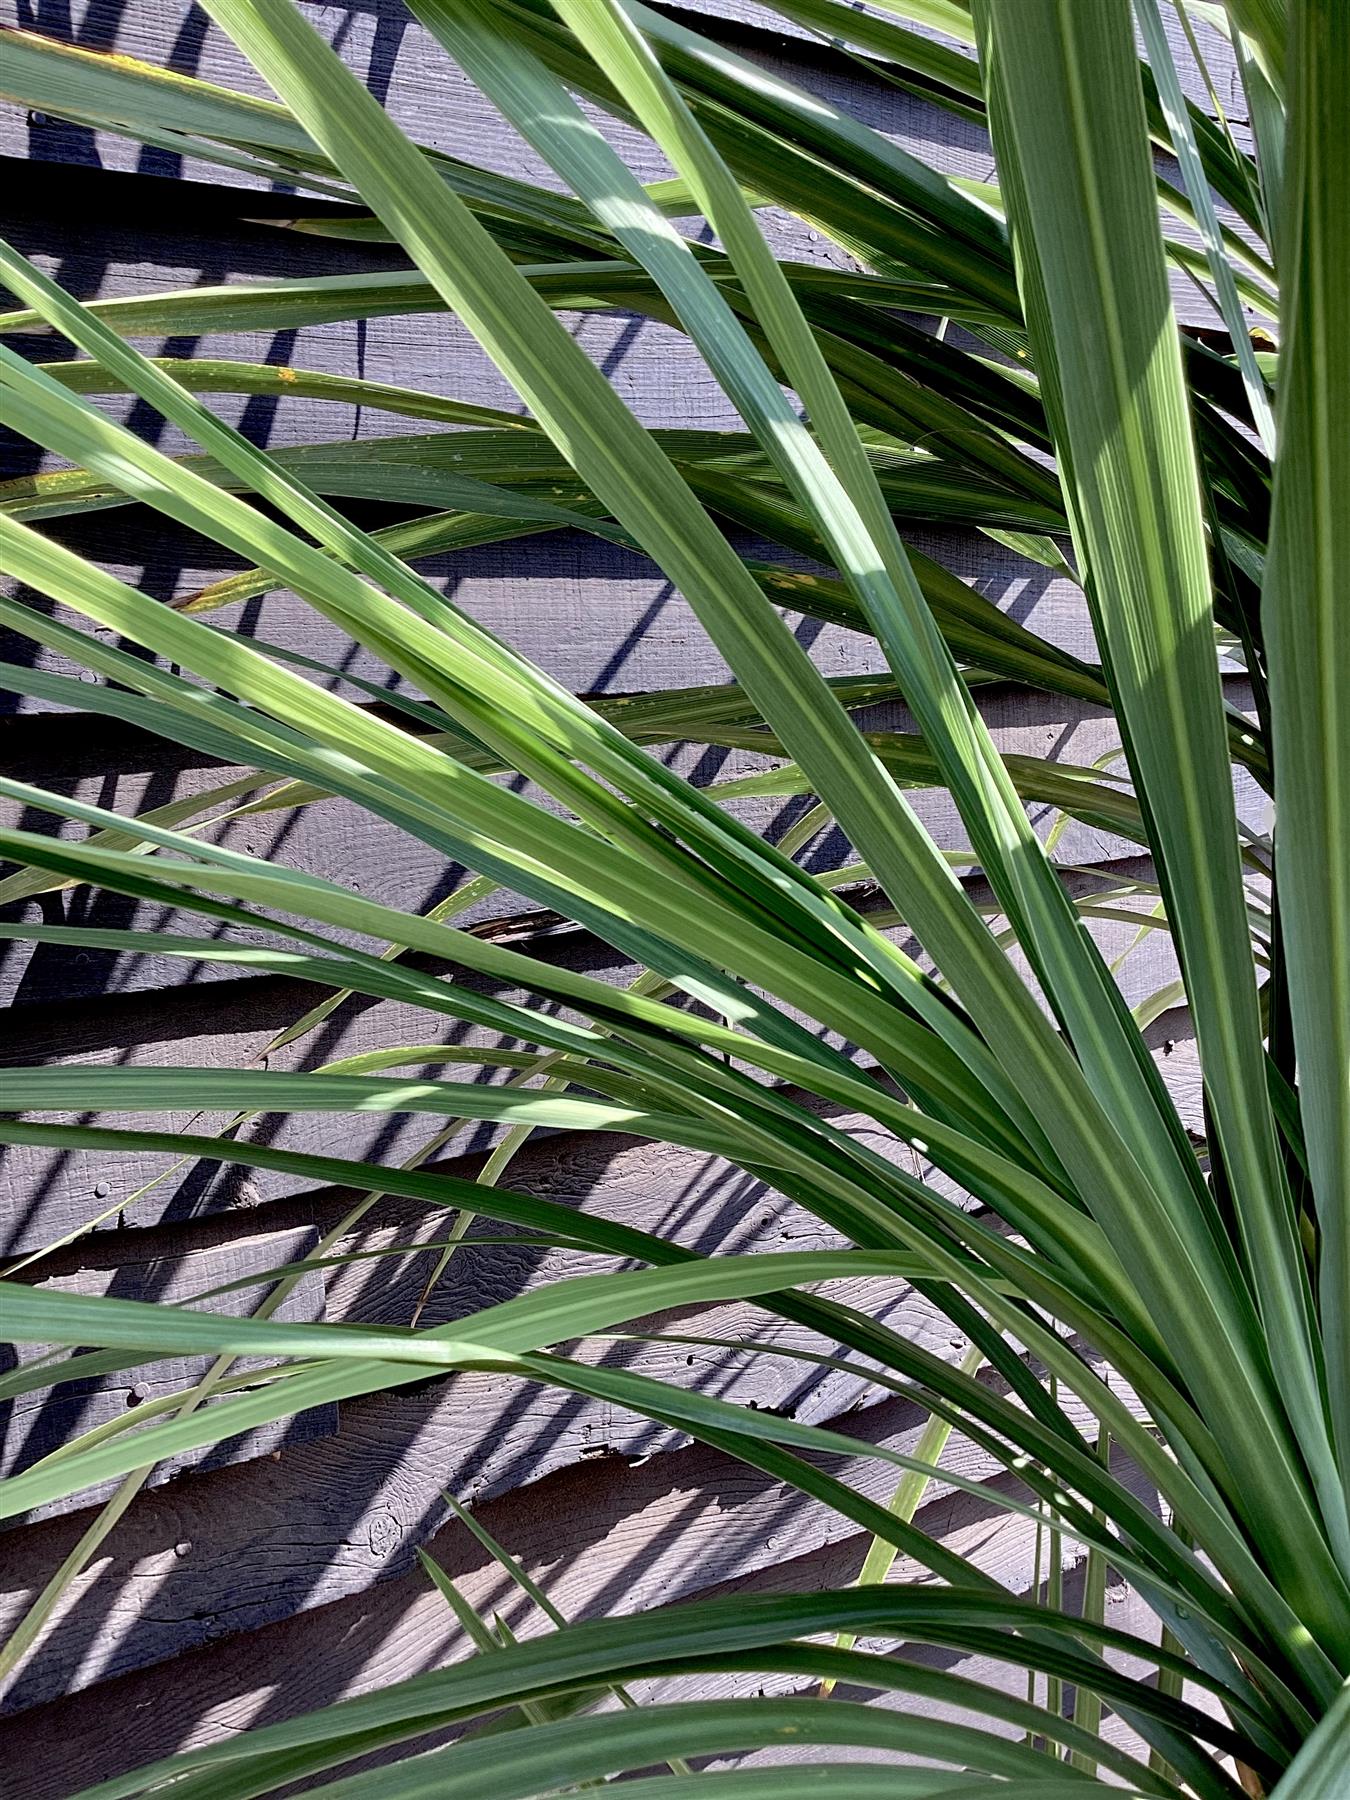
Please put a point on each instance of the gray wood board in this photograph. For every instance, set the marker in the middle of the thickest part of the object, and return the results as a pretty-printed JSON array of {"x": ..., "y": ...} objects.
[
  {"x": 743, "y": 21},
  {"x": 429, "y": 96},
  {"x": 241, "y": 1549},
  {"x": 342, "y": 842},
  {"x": 602, "y": 1537},
  {"x": 593, "y": 615},
  {"x": 52, "y": 1192},
  {"x": 331, "y": 1518},
  {"x": 36, "y": 1424}
]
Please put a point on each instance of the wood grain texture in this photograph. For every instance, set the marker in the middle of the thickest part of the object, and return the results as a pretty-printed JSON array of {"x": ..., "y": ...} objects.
[
  {"x": 608, "y": 1536},
  {"x": 51, "y": 1193},
  {"x": 343, "y": 842},
  {"x": 337, "y": 1517},
  {"x": 659, "y": 1522},
  {"x": 36, "y": 1424},
  {"x": 732, "y": 19}
]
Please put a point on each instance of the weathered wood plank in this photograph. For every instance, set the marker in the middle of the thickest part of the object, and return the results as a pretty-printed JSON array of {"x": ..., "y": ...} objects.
[
  {"x": 953, "y": 145},
  {"x": 343, "y": 842},
  {"x": 51, "y": 1192},
  {"x": 742, "y": 21},
  {"x": 394, "y": 1453},
  {"x": 321, "y": 1523},
  {"x": 329, "y": 1520},
  {"x": 39, "y": 1423},
  {"x": 654, "y": 368},
  {"x": 651, "y": 1187},
  {"x": 595, "y": 616},
  {"x": 605, "y": 1537}
]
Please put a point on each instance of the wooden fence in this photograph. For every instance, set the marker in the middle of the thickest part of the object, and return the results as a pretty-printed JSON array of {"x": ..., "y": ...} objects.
[{"x": 283, "y": 1574}]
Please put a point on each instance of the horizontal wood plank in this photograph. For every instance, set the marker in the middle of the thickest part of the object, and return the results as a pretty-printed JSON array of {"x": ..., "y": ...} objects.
[
  {"x": 336, "y": 1517},
  {"x": 343, "y": 842},
  {"x": 429, "y": 96},
  {"x": 602, "y": 1537},
  {"x": 752, "y": 21},
  {"x": 340, "y": 1517},
  {"x": 51, "y": 1193},
  {"x": 38, "y": 1423}
]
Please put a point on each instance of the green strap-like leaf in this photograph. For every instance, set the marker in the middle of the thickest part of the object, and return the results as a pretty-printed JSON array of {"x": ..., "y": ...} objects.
[
  {"x": 1074, "y": 127},
  {"x": 1318, "y": 1771},
  {"x": 543, "y": 1757},
  {"x": 706, "y": 1634},
  {"x": 1305, "y": 609},
  {"x": 835, "y": 482},
  {"x": 1221, "y": 270},
  {"x": 502, "y": 698}
]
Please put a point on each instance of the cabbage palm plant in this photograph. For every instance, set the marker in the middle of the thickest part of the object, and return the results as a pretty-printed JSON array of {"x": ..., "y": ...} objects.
[{"x": 1203, "y": 501}]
